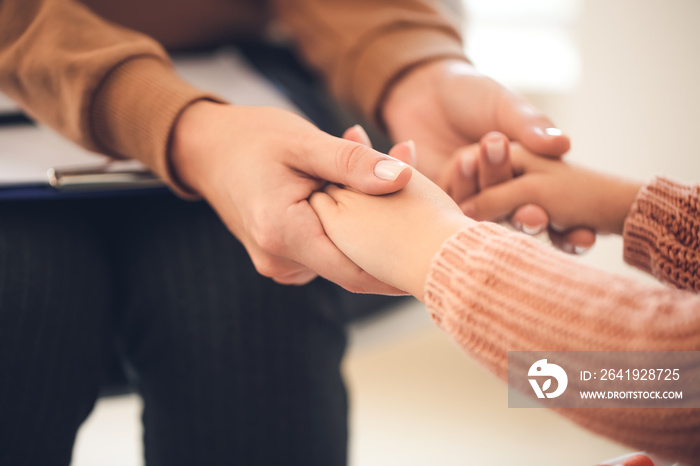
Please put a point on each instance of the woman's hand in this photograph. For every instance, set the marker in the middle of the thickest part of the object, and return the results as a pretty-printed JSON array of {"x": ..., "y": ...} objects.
[
  {"x": 446, "y": 106},
  {"x": 257, "y": 167}
]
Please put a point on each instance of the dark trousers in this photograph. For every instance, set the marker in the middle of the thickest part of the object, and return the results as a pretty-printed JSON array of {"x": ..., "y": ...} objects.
[{"x": 233, "y": 368}]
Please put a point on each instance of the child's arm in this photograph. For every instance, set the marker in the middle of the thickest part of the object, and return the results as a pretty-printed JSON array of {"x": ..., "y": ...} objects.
[{"x": 494, "y": 291}]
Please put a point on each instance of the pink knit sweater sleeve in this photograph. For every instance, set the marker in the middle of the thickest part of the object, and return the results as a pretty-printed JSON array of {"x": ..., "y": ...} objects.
[
  {"x": 662, "y": 233},
  {"x": 495, "y": 291}
]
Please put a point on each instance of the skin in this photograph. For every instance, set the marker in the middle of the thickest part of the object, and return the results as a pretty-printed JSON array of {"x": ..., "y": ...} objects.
[
  {"x": 258, "y": 166},
  {"x": 445, "y": 106},
  {"x": 571, "y": 195},
  {"x": 394, "y": 237}
]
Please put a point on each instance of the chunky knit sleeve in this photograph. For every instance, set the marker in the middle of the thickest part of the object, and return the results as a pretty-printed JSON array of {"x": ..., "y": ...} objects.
[
  {"x": 662, "y": 232},
  {"x": 494, "y": 291}
]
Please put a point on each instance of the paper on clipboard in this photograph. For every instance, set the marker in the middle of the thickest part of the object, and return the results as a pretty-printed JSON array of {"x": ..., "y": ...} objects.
[{"x": 29, "y": 153}]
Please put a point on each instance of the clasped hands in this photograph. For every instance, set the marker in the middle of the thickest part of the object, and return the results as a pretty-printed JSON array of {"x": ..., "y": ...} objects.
[{"x": 258, "y": 166}]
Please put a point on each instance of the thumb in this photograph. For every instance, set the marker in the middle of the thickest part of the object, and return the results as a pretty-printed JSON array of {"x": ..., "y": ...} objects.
[
  {"x": 522, "y": 121},
  {"x": 496, "y": 202},
  {"x": 356, "y": 165}
]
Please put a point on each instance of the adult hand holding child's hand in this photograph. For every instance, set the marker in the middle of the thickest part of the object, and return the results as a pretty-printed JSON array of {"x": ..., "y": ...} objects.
[
  {"x": 446, "y": 106},
  {"x": 257, "y": 167},
  {"x": 393, "y": 237}
]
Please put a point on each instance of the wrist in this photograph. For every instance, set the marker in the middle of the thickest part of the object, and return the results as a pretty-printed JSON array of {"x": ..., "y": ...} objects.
[
  {"x": 188, "y": 137},
  {"x": 627, "y": 193},
  {"x": 430, "y": 245}
]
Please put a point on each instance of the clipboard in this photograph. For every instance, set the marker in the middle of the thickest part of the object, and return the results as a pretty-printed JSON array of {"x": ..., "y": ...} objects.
[{"x": 36, "y": 163}]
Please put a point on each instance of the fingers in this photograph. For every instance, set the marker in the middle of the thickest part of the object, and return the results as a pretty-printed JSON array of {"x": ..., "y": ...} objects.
[
  {"x": 634, "y": 459},
  {"x": 405, "y": 152},
  {"x": 357, "y": 134},
  {"x": 356, "y": 165},
  {"x": 574, "y": 240},
  {"x": 316, "y": 250},
  {"x": 459, "y": 179},
  {"x": 324, "y": 205},
  {"x": 497, "y": 202},
  {"x": 494, "y": 160},
  {"x": 522, "y": 121},
  {"x": 300, "y": 277},
  {"x": 478, "y": 166},
  {"x": 531, "y": 219}
]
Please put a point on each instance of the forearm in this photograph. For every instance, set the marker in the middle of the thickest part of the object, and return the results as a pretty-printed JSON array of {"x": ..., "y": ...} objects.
[
  {"x": 493, "y": 291},
  {"x": 661, "y": 232},
  {"x": 107, "y": 88}
]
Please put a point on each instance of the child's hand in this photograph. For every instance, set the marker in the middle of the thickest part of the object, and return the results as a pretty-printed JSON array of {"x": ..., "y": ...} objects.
[
  {"x": 477, "y": 167},
  {"x": 392, "y": 237},
  {"x": 572, "y": 196}
]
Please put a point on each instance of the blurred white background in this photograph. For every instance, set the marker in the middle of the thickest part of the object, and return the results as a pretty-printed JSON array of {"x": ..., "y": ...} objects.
[{"x": 621, "y": 77}]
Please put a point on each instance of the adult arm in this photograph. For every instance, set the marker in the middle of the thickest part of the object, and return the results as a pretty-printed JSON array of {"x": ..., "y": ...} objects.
[
  {"x": 114, "y": 91},
  {"x": 402, "y": 65},
  {"x": 107, "y": 88}
]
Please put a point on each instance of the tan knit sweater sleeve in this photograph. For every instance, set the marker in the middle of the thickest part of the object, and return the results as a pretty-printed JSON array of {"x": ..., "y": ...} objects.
[
  {"x": 362, "y": 46},
  {"x": 495, "y": 291},
  {"x": 107, "y": 88}
]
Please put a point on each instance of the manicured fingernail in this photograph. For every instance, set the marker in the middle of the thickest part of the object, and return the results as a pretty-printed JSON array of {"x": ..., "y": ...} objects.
[
  {"x": 531, "y": 229},
  {"x": 389, "y": 170},
  {"x": 363, "y": 135},
  {"x": 468, "y": 165},
  {"x": 412, "y": 148},
  {"x": 580, "y": 249},
  {"x": 496, "y": 151},
  {"x": 549, "y": 131}
]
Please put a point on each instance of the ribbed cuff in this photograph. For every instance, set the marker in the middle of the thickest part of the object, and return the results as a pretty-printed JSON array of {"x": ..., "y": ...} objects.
[
  {"x": 661, "y": 232},
  {"x": 135, "y": 109},
  {"x": 381, "y": 59}
]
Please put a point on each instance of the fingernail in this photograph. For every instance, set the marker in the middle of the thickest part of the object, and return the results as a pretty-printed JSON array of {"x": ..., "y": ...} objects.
[
  {"x": 580, "y": 249},
  {"x": 468, "y": 165},
  {"x": 496, "y": 151},
  {"x": 469, "y": 209},
  {"x": 389, "y": 170},
  {"x": 363, "y": 135},
  {"x": 558, "y": 228},
  {"x": 549, "y": 131},
  {"x": 531, "y": 229},
  {"x": 568, "y": 248},
  {"x": 412, "y": 148}
]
